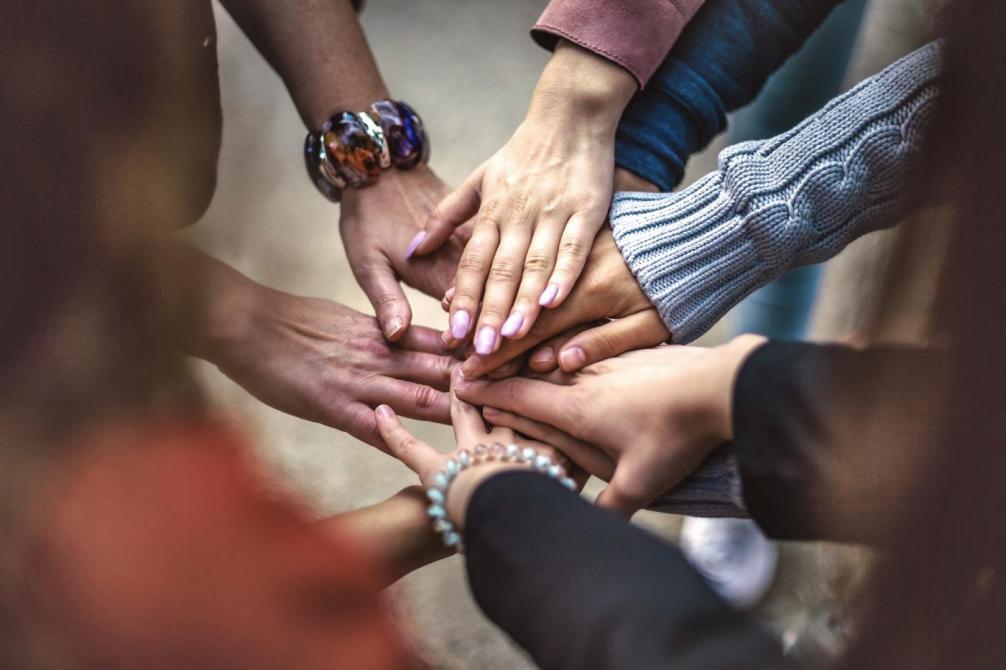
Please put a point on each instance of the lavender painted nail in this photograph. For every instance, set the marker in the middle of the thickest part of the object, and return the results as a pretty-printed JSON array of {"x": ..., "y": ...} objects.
[
  {"x": 414, "y": 244},
  {"x": 512, "y": 325},
  {"x": 460, "y": 321},
  {"x": 548, "y": 295},
  {"x": 485, "y": 341}
]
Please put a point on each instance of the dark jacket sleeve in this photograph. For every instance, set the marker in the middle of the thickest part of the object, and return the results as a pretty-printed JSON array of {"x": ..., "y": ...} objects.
[
  {"x": 578, "y": 587},
  {"x": 828, "y": 438},
  {"x": 719, "y": 64}
]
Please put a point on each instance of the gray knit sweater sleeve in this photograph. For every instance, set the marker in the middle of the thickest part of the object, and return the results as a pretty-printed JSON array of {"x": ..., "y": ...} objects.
[{"x": 773, "y": 205}]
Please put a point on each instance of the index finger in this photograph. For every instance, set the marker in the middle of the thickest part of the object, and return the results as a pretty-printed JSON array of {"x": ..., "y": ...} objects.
[{"x": 536, "y": 399}]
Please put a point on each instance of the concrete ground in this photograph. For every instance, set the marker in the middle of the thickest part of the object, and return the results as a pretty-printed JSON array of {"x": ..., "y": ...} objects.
[{"x": 469, "y": 67}]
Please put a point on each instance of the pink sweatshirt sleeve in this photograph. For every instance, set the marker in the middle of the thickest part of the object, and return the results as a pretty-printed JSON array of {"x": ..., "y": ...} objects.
[{"x": 636, "y": 34}]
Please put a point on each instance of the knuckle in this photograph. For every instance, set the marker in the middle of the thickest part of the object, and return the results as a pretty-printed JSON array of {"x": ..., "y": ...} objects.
[
  {"x": 472, "y": 262},
  {"x": 503, "y": 271},
  {"x": 571, "y": 248},
  {"x": 537, "y": 264},
  {"x": 425, "y": 397}
]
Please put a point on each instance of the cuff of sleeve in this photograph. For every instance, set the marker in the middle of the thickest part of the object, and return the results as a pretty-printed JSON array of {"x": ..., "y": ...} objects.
[
  {"x": 635, "y": 34},
  {"x": 775, "y": 473},
  {"x": 666, "y": 123},
  {"x": 692, "y": 253}
]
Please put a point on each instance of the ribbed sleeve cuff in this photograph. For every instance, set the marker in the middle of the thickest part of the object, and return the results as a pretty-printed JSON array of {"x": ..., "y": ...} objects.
[
  {"x": 795, "y": 199},
  {"x": 666, "y": 123},
  {"x": 636, "y": 34},
  {"x": 690, "y": 253}
]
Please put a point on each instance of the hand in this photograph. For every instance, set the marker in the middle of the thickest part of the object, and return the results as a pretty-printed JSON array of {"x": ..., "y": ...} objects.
[
  {"x": 539, "y": 201},
  {"x": 656, "y": 413},
  {"x": 320, "y": 360},
  {"x": 607, "y": 290},
  {"x": 377, "y": 223},
  {"x": 469, "y": 431}
]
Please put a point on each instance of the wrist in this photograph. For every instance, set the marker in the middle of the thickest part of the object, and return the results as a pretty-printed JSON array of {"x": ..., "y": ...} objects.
[
  {"x": 468, "y": 481},
  {"x": 625, "y": 180},
  {"x": 582, "y": 88},
  {"x": 731, "y": 358},
  {"x": 232, "y": 304}
]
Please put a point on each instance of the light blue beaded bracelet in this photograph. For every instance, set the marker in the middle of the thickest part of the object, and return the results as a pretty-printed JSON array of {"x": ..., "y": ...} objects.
[{"x": 511, "y": 453}]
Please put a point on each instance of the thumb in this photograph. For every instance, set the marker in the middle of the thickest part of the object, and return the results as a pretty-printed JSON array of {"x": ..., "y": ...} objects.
[
  {"x": 625, "y": 493},
  {"x": 378, "y": 281},
  {"x": 418, "y": 456},
  {"x": 638, "y": 331},
  {"x": 450, "y": 213}
]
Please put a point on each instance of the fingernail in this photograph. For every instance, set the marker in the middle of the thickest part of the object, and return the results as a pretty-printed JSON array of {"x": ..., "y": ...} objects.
[
  {"x": 572, "y": 358},
  {"x": 414, "y": 244},
  {"x": 512, "y": 325},
  {"x": 543, "y": 356},
  {"x": 393, "y": 327},
  {"x": 460, "y": 321},
  {"x": 548, "y": 295},
  {"x": 490, "y": 411},
  {"x": 485, "y": 341},
  {"x": 385, "y": 411}
]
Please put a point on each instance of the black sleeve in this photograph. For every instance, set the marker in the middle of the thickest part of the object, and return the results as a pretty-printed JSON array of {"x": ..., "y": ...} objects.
[
  {"x": 579, "y": 587},
  {"x": 828, "y": 437}
]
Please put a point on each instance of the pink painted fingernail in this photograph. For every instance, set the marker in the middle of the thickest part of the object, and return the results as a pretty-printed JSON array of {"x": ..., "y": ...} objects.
[
  {"x": 414, "y": 244},
  {"x": 385, "y": 411},
  {"x": 485, "y": 341},
  {"x": 572, "y": 359},
  {"x": 548, "y": 295},
  {"x": 460, "y": 321},
  {"x": 512, "y": 325}
]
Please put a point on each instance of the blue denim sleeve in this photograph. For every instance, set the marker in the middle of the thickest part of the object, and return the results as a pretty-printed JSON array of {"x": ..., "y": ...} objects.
[{"x": 720, "y": 63}]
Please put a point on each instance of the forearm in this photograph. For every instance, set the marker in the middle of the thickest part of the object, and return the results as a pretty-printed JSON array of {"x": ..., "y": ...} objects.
[
  {"x": 828, "y": 438},
  {"x": 720, "y": 64},
  {"x": 397, "y": 531},
  {"x": 583, "y": 88},
  {"x": 319, "y": 50},
  {"x": 792, "y": 200},
  {"x": 554, "y": 572}
]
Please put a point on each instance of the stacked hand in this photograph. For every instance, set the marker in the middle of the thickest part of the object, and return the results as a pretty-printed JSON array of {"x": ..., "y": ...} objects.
[
  {"x": 469, "y": 431},
  {"x": 376, "y": 225},
  {"x": 538, "y": 203},
  {"x": 317, "y": 359},
  {"x": 644, "y": 420},
  {"x": 567, "y": 336}
]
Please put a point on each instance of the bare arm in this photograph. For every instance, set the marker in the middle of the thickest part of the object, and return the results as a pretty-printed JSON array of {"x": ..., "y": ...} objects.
[
  {"x": 318, "y": 48},
  {"x": 397, "y": 530}
]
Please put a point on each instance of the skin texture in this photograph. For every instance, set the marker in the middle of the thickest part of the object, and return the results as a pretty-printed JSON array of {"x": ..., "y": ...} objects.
[
  {"x": 656, "y": 414},
  {"x": 321, "y": 53},
  {"x": 606, "y": 290},
  {"x": 469, "y": 431},
  {"x": 317, "y": 359},
  {"x": 377, "y": 223},
  {"x": 538, "y": 203}
]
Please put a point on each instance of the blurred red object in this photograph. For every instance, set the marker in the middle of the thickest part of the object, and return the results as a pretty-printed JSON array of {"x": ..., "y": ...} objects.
[{"x": 164, "y": 547}]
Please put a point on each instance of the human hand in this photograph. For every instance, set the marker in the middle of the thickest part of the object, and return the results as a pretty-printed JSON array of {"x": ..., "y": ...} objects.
[
  {"x": 656, "y": 413},
  {"x": 320, "y": 360},
  {"x": 607, "y": 290},
  {"x": 539, "y": 201},
  {"x": 377, "y": 223},
  {"x": 469, "y": 431}
]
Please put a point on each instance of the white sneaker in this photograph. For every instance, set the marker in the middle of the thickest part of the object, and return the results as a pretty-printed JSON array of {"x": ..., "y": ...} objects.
[{"x": 735, "y": 558}]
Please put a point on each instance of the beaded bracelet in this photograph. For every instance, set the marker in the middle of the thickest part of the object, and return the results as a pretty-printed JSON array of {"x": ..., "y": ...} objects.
[
  {"x": 352, "y": 149},
  {"x": 437, "y": 494}
]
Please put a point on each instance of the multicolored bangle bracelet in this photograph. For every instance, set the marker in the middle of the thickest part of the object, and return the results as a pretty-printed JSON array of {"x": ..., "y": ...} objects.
[
  {"x": 351, "y": 150},
  {"x": 511, "y": 453}
]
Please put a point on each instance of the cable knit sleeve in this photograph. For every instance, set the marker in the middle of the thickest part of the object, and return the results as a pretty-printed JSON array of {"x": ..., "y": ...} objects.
[{"x": 773, "y": 205}]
